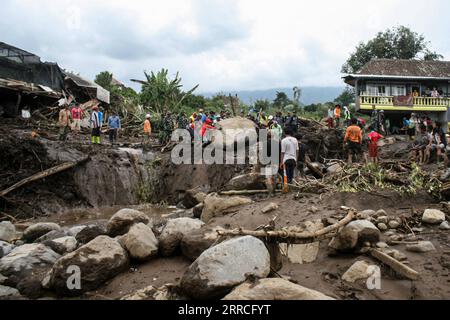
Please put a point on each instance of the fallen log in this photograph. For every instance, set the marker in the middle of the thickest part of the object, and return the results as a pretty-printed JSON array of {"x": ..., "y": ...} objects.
[
  {"x": 316, "y": 172},
  {"x": 396, "y": 265},
  {"x": 43, "y": 174},
  {"x": 244, "y": 192},
  {"x": 284, "y": 236}
]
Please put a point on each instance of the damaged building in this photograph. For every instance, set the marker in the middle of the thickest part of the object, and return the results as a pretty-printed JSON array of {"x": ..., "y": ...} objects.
[{"x": 28, "y": 83}]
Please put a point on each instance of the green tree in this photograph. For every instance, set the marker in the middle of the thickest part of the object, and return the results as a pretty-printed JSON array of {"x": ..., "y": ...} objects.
[
  {"x": 160, "y": 93},
  {"x": 396, "y": 43},
  {"x": 104, "y": 79},
  {"x": 262, "y": 105},
  {"x": 281, "y": 100},
  {"x": 347, "y": 97}
]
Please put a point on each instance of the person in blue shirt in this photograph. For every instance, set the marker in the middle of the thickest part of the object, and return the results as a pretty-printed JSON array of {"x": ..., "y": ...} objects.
[
  {"x": 113, "y": 125},
  {"x": 100, "y": 117}
]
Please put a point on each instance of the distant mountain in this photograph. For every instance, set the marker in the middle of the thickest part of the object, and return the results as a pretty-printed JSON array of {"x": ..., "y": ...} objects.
[{"x": 309, "y": 94}]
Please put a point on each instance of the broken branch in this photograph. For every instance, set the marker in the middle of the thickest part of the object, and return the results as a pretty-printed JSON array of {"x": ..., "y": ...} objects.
[{"x": 396, "y": 265}]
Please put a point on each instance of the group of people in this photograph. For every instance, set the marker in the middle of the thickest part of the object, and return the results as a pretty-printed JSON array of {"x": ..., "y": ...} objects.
[
  {"x": 338, "y": 116},
  {"x": 71, "y": 117}
]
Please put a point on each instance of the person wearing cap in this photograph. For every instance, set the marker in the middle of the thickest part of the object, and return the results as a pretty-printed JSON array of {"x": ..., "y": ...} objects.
[
  {"x": 95, "y": 125},
  {"x": 276, "y": 131}
]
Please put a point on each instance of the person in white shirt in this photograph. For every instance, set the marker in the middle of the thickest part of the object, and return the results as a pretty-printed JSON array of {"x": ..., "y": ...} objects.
[{"x": 289, "y": 154}]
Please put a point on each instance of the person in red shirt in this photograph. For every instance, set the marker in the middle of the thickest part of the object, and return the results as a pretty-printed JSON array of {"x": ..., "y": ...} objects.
[
  {"x": 374, "y": 137},
  {"x": 208, "y": 125},
  {"x": 77, "y": 115}
]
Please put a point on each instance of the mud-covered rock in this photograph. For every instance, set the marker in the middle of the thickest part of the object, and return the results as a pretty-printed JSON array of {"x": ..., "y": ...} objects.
[
  {"x": 250, "y": 181},
  {"x": 215, "y": 205},
  {"x": 5, "y": 248},
  {"x": 63, "y": 245},
  {"x": 140, "y": 242},
  {"x": 421, "y": 247},
  {"x": 7, "y": 231},
  {"x": 354, "y": 235},
  {"x": 432, "y": 216},
  {"x": 193, "y": 197},
  {"x": 225, "y": 266},
  {"x": 120, "y": 223},
  {"x": 37, "y": 230},
  {"x": 274, "y": 289},
  {"x": 174, "y": 231},
  {"x": 89, "y": 233},
  {"x": 98, "y": 261},
  {"x": 198, "y": 241},
  {"x": 358, "y": 271}
]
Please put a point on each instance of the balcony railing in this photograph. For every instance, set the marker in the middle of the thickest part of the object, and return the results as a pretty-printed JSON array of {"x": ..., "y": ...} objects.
[{"x": 417, "y": 101}]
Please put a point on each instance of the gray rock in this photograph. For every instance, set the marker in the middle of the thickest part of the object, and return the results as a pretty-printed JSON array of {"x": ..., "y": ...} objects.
[
  {"x": 37, "y": 230},
  {"x": 215, "y": 205},
  {"x": 193, "y": 197},
  {"x": 198, "y": 241},
  {"x": 3, "y": 279},
  {"x": 74, "y": 231},
  {"x": 7, "y": 292},
  {"x": 251, "y": 181},
  {"x": 393, "y": 224},
  {"x": 224, "y": 266},
  {"x": 89, "y": 233},
  {"x": 121, "y": 222},
  {"x": 274, "y": 289},
  {"x": 382, "y": 226},
  {"x": 5, "y": 248},
  {"x": 382, "y": 219},
  {"x": 358, "y": 271},
  {"x": 197, "y": 210},
  {"x": 381, "y": 213},
  {"x": 7, "y": 231},
  {"x": 26, "y": 258},
  {"x": 444, "y": 226},
  {"x": 334, "y": 168},
  {"x": 382, "y": 245},
  {"x": 140, "y": 242},
  {"x": 52, "y": 235},
  {"x": 173, "y": 232},
  {"x": 99, "y": 260},
  {"x": 354, "y": 235},
  {"x": 432, "y": 216},
  {"x": 365, "y": 215},
  {"x": 421, "y": 247},
  {"x": 68, "y": 244}
]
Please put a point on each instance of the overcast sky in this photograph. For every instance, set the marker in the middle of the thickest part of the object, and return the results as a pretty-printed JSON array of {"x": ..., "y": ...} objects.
[{"x": 219, "y": 44}]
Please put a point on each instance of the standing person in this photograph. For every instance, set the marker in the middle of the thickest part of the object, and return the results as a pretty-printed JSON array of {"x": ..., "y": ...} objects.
[
  {"x": 64, "y": 123},
  {"x": 276, "y": 131},
  {"x": 77, "y": 115},
  {"x": 100, "y": 117},
  {"x": 381, "y": 122},
  {"x": 206, "y": 133},
  {"x": 347, "y": 116},
  {"x": 374, "y": 137},
  {"x": 167, "y": 129},
  {"x": 295, "y": 123},
  {"x": 374, "y": 118},
  {"x": 439, "y": 141},
  {"x": 147, "y": 131},
  {"x": 95, "y": 125},
  {"x": 114, "y": 126},
  {"x": 337, "y": 115},
  {"x": 289, "y": 154},
  {"x": 435, "y": 93},
  {"x": 353, "y": 140}
]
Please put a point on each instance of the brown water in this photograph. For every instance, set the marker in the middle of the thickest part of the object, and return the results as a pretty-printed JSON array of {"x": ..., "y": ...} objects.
[{"x": 89, "y": 215}]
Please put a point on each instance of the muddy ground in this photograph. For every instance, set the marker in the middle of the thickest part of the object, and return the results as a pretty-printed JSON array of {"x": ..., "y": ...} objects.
[{"x": 23, "y": 155}]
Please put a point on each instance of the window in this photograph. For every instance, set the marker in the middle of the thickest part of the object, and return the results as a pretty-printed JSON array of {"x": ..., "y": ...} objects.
[
  {"x": 376, "y": 90},
  {"x": 398, "y": 90}
]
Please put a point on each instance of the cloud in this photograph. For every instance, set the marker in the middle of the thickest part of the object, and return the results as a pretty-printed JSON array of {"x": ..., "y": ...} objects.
[{"x": 219, "y": 44}]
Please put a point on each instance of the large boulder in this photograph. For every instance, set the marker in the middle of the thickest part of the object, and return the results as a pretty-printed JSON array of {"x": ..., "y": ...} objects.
[
  {"x": 89, "y": 233},
  {"x": 225, "y": 266},
  {"x": 193, "y": 197},
  {"x": 421, "y": 247},
  {"x": 5, "y": 248},
  {"x": 67, "y": 244},
  {"x": 100, "y": 260},
  {"x": 215, "y": 205},
  {"x": 74, "y": 231},
  {"x": 140, "y": 242},
  {"x": 7, "y": 231},
  {"x": 37, "y": 230},
  {"x": 274, "y": 289},
  {"x": 355, "y": 235},
  {"x": 8, "y": 293},
  {"x": 120, "y": 223},
  {"x": 174, "y": 231},
  {"x": 52, "y": 235},
  {"x": 250, "y": 181},
  {"x": 25, "y": 258},
  {"x": 432, "y": 216},
  {"x": 198, "y": 241},
  {"x": 234, "y": 130}
]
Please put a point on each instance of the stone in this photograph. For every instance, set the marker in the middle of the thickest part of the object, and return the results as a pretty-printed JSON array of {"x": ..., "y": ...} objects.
[
  {"x": 301, "y": 253},
  {"x": 334, "y": 168},
  {"x": 382, "y": 245},
  {"x": 5, "y": 248},
  {"x": 100, "y": 260},
  {"x": 393, "y": 224},
  {"x": 421, "y": 247},
  {"x": 198, "y": 241},
  {"x": 26, "y": 258},
  {"x": 140, "y": 242},
  {"x": 3, "y": 279},
  {"x": 197, "y": 210},
  {"x": 165, "y": 293},
  {"x": 365, "y": 215},
  {"x": 120, "y": 223},
  {"x": 69, "y": 243},
  {"x": 74, "y": 231},
  {"x": 354, "y": 235},
  {"x": 383, "y": 219},
  {"x": 250, "y": 181},
  {"x": 382, "y": 227},
  {"x": 37, "y": 230},
  {"x": 395, "y": 254},
  {"x": 274, "y": 289},
  {"x": 358, "y": 271},
  {"x": 7, "y": 231},
  {"x": 225, "y": 266},
  {"x": 270, "y": 207},
  {"x": 7, "y": 292},
  {"x": 52, "y": 235},
  {"x": 89, "y": 233},
  {"x": 174, "y": 231},
  {"x": 215, "y": 205},
  {"x": 193, "y": 197},
  {"x": 381, "y": 213},
  {"x": 444, "y": 226},
  {"x": 432, "y": 216}
]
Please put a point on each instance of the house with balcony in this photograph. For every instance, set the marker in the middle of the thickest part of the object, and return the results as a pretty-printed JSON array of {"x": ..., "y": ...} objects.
[{"x": 403, "y": 87}]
